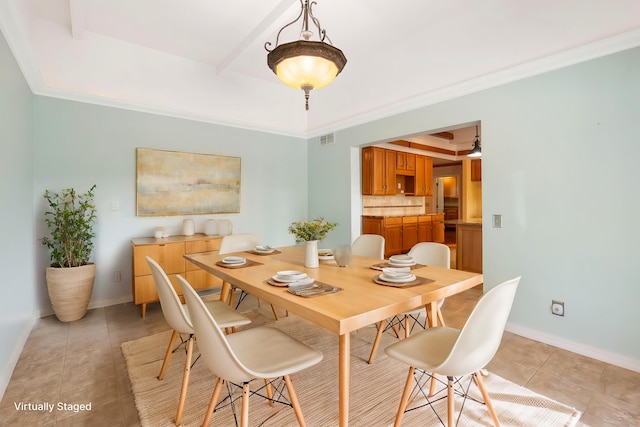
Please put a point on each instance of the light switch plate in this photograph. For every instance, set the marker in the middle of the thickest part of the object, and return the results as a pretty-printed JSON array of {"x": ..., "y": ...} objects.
[{"x": 497, "y": 221}]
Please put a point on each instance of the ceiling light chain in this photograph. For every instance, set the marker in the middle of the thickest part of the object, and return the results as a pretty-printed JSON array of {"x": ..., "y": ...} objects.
[{"x": 305, "y": 64}]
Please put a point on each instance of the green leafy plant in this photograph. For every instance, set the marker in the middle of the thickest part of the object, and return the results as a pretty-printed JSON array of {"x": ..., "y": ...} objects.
[
  {"x": 317, "y": 229},
  {"x": 70, "y": 220}
]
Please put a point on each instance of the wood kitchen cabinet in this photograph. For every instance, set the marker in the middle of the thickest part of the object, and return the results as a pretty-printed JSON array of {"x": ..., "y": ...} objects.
[
  {"x": 392, "y": 236},
  {"x": 437, "y": 222},
  {"x": 476, "y": 170},
  {"x": 405, "y": 163},
  {"x": 409, "y": 232},
  {"x": 424, "y": 176},
  {"x": 378, "y": 171},
  {"x": 169, "y": 253},
  {"x": 425, "y": 230},
  {"x": 469, "y": 247}
]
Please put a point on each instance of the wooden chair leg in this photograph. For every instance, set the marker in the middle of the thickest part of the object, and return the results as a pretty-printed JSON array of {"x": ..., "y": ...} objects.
[
  {"x": 185, "y": 380},
  {"x": 275, "y": 313},
  {"x": 376, "y": 342},
  {"x": 432, "y": 388},
  {"x": 267, "y": 383},
  {"x": 167, "y": 356},
  {"x": 404, "y": 400},
  {"x": 244, "y": 416},
  {"x": 212, "y": 404},
  {"x": 294, "y": 401},
  {"x": 406, "y": 326},
  {"x": 487, "y": 399},
  {"x": 440, "y": 318},
  {"x": 450, "y": 402}
]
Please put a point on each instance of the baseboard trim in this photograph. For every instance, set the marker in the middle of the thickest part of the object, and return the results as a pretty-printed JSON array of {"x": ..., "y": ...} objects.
[
  {"x": 15, "y": 355},
  {"x": 592, "y": 352}
]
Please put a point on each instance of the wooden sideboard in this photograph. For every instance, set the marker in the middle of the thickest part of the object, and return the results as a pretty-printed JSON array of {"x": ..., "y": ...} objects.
[{"x": 169, "y": 253}]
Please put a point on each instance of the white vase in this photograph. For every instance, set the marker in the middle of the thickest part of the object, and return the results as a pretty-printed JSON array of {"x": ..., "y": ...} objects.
[
  {"x": 311, "y": 254},
  {"x": 188, "y": 227}
]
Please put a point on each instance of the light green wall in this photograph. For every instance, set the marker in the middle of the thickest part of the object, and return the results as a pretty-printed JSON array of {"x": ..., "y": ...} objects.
[
  {"x": 16, "y": 215},
  {"x": 77, "y": 145},
  {"x": 559, "y": 158}
]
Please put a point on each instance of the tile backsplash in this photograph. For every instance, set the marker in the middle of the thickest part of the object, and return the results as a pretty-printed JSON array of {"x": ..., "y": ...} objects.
[{"x": 395, "y": 205}]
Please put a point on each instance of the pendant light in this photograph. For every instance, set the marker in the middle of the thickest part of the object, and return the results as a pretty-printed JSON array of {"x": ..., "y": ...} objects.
[
  {"x": 475, "y": 151},
  {"x": 306, "y": 64}
]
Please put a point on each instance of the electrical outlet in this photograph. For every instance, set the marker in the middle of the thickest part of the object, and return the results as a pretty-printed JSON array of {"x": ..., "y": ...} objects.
[{"x": 557, "y": 308}]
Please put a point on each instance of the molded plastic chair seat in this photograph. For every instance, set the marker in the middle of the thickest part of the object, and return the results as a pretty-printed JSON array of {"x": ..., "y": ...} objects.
[
  {"x": 458, "y": 352},
  {"x": 369, "y": 245},
  {"x": 177, "y": 316},
  {"x": 262, "y": 352}
]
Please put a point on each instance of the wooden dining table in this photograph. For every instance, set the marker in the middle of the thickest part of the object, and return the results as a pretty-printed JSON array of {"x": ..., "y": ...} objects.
[{"x": 360, "y": 303}]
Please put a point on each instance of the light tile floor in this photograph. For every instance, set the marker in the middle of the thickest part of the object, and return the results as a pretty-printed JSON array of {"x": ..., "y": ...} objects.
[{"x": 81, "y": 362}]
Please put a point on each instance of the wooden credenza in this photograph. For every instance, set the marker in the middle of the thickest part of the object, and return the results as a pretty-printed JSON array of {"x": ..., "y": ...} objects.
[{"x": 169, "y": 253}]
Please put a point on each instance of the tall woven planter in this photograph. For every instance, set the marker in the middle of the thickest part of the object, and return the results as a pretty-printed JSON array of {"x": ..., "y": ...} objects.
[{"x": 70, "y": 290}]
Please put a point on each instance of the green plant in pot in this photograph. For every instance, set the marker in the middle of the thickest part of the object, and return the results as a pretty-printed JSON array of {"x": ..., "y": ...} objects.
[
  {"x": 310, "y": 232},
  {"x": 70, "y": 218}
]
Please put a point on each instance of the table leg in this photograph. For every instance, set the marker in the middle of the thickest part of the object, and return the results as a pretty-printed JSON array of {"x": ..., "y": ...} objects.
[
  {"x": 432, "y": 313},
  {"x": 344, "y": 373}
]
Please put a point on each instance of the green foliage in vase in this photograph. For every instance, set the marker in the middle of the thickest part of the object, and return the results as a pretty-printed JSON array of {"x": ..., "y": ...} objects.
[
  {"x": 70, "y": 218},
  {"x": 317, "y": 229}
]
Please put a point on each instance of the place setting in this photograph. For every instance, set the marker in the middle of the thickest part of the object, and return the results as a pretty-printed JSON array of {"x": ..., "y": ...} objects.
[
  {"x": 399, "y": 277},
  {"x": 300, "y": 284},
  {"x": 398, "y": 261},
  {"x": 264, "y": 250},
  {"x": 236, "y": 262}
]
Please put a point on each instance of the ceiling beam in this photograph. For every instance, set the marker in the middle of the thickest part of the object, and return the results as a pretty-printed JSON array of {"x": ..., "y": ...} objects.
[
  {"x": 443, "y": 135},
  {"x": 76, "y": 12},
  {"x": 268, "y": 20}
]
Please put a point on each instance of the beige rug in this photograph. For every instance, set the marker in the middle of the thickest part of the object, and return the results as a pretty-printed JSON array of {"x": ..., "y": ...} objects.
[{"x": 375, "y": 389}]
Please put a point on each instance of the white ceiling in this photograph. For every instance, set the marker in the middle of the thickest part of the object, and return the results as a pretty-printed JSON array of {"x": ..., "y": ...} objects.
[{"x": 205, "y": 59}]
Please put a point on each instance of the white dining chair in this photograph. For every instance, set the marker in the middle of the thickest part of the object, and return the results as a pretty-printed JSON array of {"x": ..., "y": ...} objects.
[
  {"x": 238, "y": 243},
  {"x": 426, "y": 253},
  {"x": 178, "y": 318},
  {"x": 455, "y": 353},
  {"x": 242, "y": 357},
  {"x": 368, "y": 245}
]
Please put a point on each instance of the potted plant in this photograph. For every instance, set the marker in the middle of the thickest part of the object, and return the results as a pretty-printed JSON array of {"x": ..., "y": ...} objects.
[
  {"x": 310, "y": 232},
  {"x": 70, "y": 218}
]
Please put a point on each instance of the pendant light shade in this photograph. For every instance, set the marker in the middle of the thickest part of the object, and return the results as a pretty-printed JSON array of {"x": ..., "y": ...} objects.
[
  {"x": 475, "y": 151},
  {"x": 306, "y": 64}
]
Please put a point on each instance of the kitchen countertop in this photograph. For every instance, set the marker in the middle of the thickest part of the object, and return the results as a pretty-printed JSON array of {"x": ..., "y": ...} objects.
[
  {"x": 393, "y": 216},
  {"x": 475, "y": 221}
]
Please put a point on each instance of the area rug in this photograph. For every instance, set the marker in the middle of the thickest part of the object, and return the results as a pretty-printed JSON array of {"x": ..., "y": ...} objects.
[{"x": 375, "y": 389}]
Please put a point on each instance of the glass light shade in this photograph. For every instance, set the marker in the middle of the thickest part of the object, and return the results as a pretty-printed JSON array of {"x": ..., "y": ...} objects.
[
  {"x": 306, "y": 71},
  {"x": 305, "y": 64}
]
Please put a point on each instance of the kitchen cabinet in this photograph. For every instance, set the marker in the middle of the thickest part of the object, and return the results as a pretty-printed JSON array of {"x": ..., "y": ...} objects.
[
  {"x": 402, "y": 233},
  {"x": 425, "y": 230},
  {"x": 424, "y": 176},
  {"x": 450, "y": 186},
  {"x": 437, "y": 222},
  {"x": 405, "y": 163},
  {"x": 409, "y": 232},
  {"x": 469, "y": 247},
  {"x": 392, "y": 230},
  {"x": 378, "y": 171},
  {"x": 476, "y": 170},
  {"x": 169, "y": 253}
]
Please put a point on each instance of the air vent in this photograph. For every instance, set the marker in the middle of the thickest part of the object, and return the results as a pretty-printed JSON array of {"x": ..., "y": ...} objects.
[{"x": 327, "y": 139}]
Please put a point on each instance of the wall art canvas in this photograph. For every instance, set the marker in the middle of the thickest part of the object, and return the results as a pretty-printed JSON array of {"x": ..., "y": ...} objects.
[{"x": 177, "y": 183}]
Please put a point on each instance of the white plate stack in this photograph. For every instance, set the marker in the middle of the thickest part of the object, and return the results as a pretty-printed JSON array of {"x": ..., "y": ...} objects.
[
  {"x": 293, "y": 278},
  {"x": 234, "y": 260},
  {"x": 397, "y": 275},
  {"x": 401, "y": 261},
  {"x": 264, "y": 249}
]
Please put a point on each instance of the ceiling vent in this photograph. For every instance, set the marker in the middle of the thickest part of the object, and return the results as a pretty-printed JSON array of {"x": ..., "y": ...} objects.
[{"x": 327, "y": 139}]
